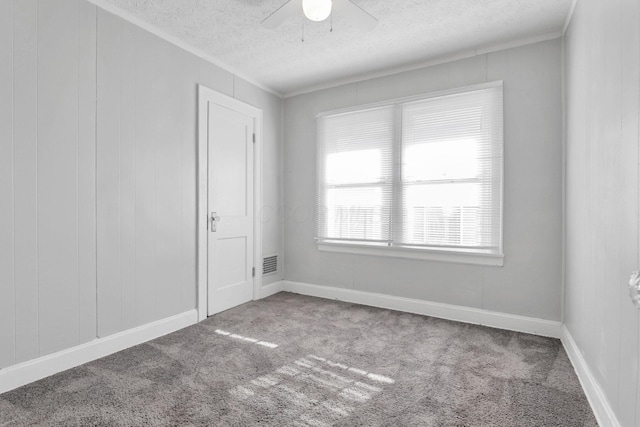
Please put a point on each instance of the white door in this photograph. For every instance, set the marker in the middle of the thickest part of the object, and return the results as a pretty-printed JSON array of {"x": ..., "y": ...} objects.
[{"x": 230, "y": 208}]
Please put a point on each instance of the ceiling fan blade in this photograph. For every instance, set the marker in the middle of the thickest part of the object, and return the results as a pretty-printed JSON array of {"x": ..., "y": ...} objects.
[
  {"x": 355, "y": 14},
  {"x": 284, "y": 12}
]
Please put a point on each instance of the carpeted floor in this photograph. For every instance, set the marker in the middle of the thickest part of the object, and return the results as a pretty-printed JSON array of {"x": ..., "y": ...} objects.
[{"x": 291, "y": 360}]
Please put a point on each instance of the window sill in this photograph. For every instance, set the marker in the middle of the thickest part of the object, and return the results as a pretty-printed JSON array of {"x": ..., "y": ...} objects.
[{"x": 424, "y": 254}]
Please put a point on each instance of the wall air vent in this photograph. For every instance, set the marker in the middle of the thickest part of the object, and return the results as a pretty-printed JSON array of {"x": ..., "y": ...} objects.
[{"x": 269, "y": 265}]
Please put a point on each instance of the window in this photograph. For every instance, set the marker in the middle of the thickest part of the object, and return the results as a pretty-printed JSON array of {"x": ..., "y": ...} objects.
[{"x": 417, "y": 177}]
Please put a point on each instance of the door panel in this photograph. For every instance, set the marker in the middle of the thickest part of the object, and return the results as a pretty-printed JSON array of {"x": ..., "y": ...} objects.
[
  {"x": 229, "y": 170},
  {"x": 230, "y": 198},
  {"x": 231, "y": 253}
]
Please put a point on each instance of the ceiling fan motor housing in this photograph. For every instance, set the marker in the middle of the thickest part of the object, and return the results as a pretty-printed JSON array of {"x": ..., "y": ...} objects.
[{"x": 317, "y": 10}]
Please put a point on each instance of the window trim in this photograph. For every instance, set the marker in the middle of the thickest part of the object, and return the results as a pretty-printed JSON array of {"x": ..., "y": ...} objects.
[
  {"x": 412, "y": 98},
  {"x": 427, "y": 253}
]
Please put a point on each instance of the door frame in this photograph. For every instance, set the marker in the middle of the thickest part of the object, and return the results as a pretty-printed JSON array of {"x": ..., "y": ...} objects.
[{"x": 206, "y": 95}]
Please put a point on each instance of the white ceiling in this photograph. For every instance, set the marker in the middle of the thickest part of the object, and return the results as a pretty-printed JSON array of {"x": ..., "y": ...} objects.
[{"x": 409, "y": 33}]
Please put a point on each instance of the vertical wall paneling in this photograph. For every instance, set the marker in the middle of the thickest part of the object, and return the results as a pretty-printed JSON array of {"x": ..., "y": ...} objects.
[
  {"x": 188, "y": 203},
  {"x": 215, "y": 78},
  {"x": 577, "y": 301},
  {"x": 602, "y": 55},
  {"x": 609, "y": 146},
  {"x": 145, "y": 208},
  {"x": 168, "y": 210},
  {"x": 128, "y": 177},
  {"x": 25, "y": 136},
  {"x": 98, "y": 122},
  {"x": 58, "y": 174},
  {"x": 628, "y": 358},
  {"x": 180, "y": 120},
  {"x": 7, "y": 306},
  {"x": 108, "y": 173},
  {"x": 532, "y": 220},
  {"x": 87, "y": 172}
]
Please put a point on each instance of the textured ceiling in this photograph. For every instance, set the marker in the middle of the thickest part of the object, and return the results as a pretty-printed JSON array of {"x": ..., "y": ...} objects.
[{"x": 409, "y": 32}]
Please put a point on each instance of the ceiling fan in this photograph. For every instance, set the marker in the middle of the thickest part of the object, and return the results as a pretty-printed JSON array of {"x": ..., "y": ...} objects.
[{"x": 319, "y": 10}]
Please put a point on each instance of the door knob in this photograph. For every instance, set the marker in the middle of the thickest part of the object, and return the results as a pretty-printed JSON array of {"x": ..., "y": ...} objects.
[
  {"x": 634, "y": 288},
  {"x": 214, "y": 221}
]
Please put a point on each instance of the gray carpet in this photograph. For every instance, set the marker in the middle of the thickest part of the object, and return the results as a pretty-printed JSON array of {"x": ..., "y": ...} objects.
[{"x": 291, "y": 360}]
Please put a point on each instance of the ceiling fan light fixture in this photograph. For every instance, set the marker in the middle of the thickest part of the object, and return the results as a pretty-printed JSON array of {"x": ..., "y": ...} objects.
[{"x": 317, "y": 10}]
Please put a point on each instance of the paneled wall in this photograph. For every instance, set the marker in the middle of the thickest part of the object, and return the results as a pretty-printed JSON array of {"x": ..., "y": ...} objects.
[
  {"x": 529, "y": 284},
  {"x": 98, "y": 175},
  {"x": 602, "y": 49},
  {"x": 7, "y": 229},
  {"x": 47, "y": 254},
  {"x": 145, "y": 176}
]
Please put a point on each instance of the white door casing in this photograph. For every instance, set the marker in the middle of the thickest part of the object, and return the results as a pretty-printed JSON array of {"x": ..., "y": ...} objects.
[{"x": 229, "y": 164}]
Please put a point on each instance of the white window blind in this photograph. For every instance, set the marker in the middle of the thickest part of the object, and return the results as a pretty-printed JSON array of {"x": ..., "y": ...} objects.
[
  {"x": 415, "y": 174},
  {"x": 355, "y": 175}
]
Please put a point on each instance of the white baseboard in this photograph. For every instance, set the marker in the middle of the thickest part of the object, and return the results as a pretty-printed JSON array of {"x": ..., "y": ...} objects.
[
  {"x": 476, "y": 316},
  {"x": 24, "y": 373},
  {"x": 271, "y": 289},
  {"x": 600, "y": 405}
]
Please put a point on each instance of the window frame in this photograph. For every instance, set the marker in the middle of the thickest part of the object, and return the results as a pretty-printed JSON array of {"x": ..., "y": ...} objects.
[{"x": 445, "y": 254}]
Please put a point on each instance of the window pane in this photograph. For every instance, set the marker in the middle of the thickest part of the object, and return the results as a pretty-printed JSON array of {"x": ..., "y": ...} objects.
[
  {"x": 441, "y": 160},
  {"x": 452, "y": 171},
  {"x": 356, "y": 213},
  {"x": 354, "y": 167},
  {"x": 416, "y": 172},
  {"x": 354, "y": 174},
  {"x": 443, "y": 214}
]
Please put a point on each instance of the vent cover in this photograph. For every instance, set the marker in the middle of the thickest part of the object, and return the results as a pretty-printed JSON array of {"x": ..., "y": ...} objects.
[{"x": 269, "y": 265}]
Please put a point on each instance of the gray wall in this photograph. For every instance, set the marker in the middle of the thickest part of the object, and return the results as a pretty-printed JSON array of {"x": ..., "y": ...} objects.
[
  {"x": 98, "y": 175},
  {"x": 529, "y": 284},
  {"x": 602, "y": 97}
]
